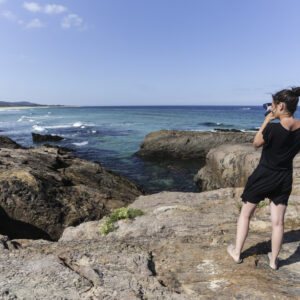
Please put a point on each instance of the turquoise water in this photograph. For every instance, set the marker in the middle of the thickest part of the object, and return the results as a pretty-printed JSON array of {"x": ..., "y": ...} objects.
[{"x": 111, "y": 135}]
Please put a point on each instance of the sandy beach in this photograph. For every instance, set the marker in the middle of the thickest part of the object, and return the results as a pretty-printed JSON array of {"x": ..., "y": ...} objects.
[{"x": 26, "y": 107}]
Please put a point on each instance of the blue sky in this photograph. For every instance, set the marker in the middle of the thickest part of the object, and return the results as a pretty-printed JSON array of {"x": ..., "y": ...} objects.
[{"x": 148, "y": 52}]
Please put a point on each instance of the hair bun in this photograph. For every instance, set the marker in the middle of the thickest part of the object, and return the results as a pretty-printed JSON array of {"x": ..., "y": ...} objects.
[{"x": 296, "y": 91}]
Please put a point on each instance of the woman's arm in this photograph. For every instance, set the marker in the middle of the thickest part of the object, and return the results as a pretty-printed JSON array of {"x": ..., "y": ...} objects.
[{"x": 258, "y": 139}]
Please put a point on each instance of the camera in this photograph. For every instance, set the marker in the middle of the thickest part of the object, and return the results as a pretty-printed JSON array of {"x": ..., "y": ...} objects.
[{"x": 265, "y": 106}]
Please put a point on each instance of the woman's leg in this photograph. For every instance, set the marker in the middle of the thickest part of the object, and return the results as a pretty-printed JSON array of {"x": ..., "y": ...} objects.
[
  {"x": 247, "y": 211},
  {"x": 277, "y": 219}
]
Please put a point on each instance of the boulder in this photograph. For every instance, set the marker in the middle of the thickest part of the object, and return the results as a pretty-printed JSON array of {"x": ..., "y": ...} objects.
[
  {"x": 60, "y": 149},
  {"x": 38, "y": 138},
  {"x": 178, "y": 144},
  {"x": 6, "y": 142},
  {"x": 176, "y": 251},
  {"x": 231, "y": 165},
  {"x": 43, "y": 190}
]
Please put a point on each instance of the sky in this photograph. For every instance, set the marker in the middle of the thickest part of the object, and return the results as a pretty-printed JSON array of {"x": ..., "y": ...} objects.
[{"x": 148, "y": 52}]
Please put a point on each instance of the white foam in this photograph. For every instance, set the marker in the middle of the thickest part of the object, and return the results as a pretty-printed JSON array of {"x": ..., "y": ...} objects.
[
  {"x": 21, "y": 119},
  {"x": 94, "y": 131},
  {"x": 77, "y": 124},
  {"x": 81, "y": 144},
  {"x": 38, "y": 128},
  {"x": 58, "y": 126}
]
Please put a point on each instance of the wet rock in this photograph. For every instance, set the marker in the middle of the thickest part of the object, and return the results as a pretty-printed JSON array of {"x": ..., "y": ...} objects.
[{"x": 38, "y": 138}]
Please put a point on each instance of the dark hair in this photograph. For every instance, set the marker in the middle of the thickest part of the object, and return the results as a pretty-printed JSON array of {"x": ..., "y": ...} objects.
[{"x": 289, "y": 97}]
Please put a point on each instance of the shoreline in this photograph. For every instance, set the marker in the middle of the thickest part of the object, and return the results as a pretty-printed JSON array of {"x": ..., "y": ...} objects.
[{"x": 26, "y": 107}]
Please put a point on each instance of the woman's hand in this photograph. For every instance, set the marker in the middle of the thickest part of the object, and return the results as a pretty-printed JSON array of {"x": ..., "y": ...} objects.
[{"x": 270, "y": 116}]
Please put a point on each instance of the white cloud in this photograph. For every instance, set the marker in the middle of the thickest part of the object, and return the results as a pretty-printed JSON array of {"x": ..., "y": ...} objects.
[
  {"x": 54, "y": 9},
  {"x": 9, "y": 15},
  {"x": 71, "y": 20},
  {"x": 35, "y": 23},
  {"x": 32, "y": 6},
  {"x": 47, "y": 9}
]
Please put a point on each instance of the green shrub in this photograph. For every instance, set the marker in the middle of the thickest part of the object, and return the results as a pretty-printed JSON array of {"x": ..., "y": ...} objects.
[{"x": 118, "y": 214}]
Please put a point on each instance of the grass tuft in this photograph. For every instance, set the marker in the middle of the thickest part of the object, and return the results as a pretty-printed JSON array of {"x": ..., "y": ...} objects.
[{"x": 118, "y": 214}]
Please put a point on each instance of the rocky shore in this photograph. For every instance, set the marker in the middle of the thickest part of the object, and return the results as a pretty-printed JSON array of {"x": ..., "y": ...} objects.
[
  {"x": 177, "y": 250},
  {"x": 45, "y": 189}
]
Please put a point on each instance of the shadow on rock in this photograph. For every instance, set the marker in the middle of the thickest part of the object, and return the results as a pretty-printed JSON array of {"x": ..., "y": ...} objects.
[
  {"x": 16, "y": 229},
  {"x": 265, "y": 247}
]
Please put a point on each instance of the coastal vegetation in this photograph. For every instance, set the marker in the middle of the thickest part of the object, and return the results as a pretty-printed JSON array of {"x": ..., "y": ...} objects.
[{"x": 118, "y": 214}]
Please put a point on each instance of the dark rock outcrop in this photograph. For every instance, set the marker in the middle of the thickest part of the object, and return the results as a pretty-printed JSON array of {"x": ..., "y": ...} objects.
[
  {"x": 178, "y": 144},
  {"x": 61, "y": 150},
  {"x": 38, "y": 138},
  {"x": 228, "y": 130},
  {"x": 6, "y": 142},
  {"x": 177, "y": 251},
  {"x": 43, "y": 190}
]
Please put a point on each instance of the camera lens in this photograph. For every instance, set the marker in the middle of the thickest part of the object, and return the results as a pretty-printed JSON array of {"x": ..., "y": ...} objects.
[{"x": 266, "y": 105}]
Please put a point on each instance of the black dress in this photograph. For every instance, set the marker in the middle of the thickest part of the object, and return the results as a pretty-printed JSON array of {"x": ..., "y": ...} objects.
[{"x": 273, "y": 177}]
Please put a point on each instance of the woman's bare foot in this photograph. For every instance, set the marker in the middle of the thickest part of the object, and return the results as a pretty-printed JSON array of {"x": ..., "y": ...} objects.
[
  {"x": 232, "y": 252},
  {"x": 272, "y": 265}
]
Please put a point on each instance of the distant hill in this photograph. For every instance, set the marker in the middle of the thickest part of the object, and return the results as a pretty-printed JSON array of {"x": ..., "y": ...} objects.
[{"x": 21, "y": 103}]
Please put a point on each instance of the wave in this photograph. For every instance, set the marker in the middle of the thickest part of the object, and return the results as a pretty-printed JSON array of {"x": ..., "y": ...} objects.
[
  {"x": 38, "y": 128},
  {"x": 77, "y": 124},
  {"x": 62, "y": 126},
  {"x": 81, "y": 144},
  {"x": 21, "y": 119},
  {"x": 246, "y": 108},
  {"x": 58, "y": 126},
  {"x": 33, "y": 118}
]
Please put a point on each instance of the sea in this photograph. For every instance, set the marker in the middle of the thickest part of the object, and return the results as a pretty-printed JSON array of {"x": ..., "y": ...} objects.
[{"x": 112, "y": 134}]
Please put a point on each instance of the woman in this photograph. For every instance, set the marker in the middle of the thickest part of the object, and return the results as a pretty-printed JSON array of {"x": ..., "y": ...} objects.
[{"x": 273, "y": 176}]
